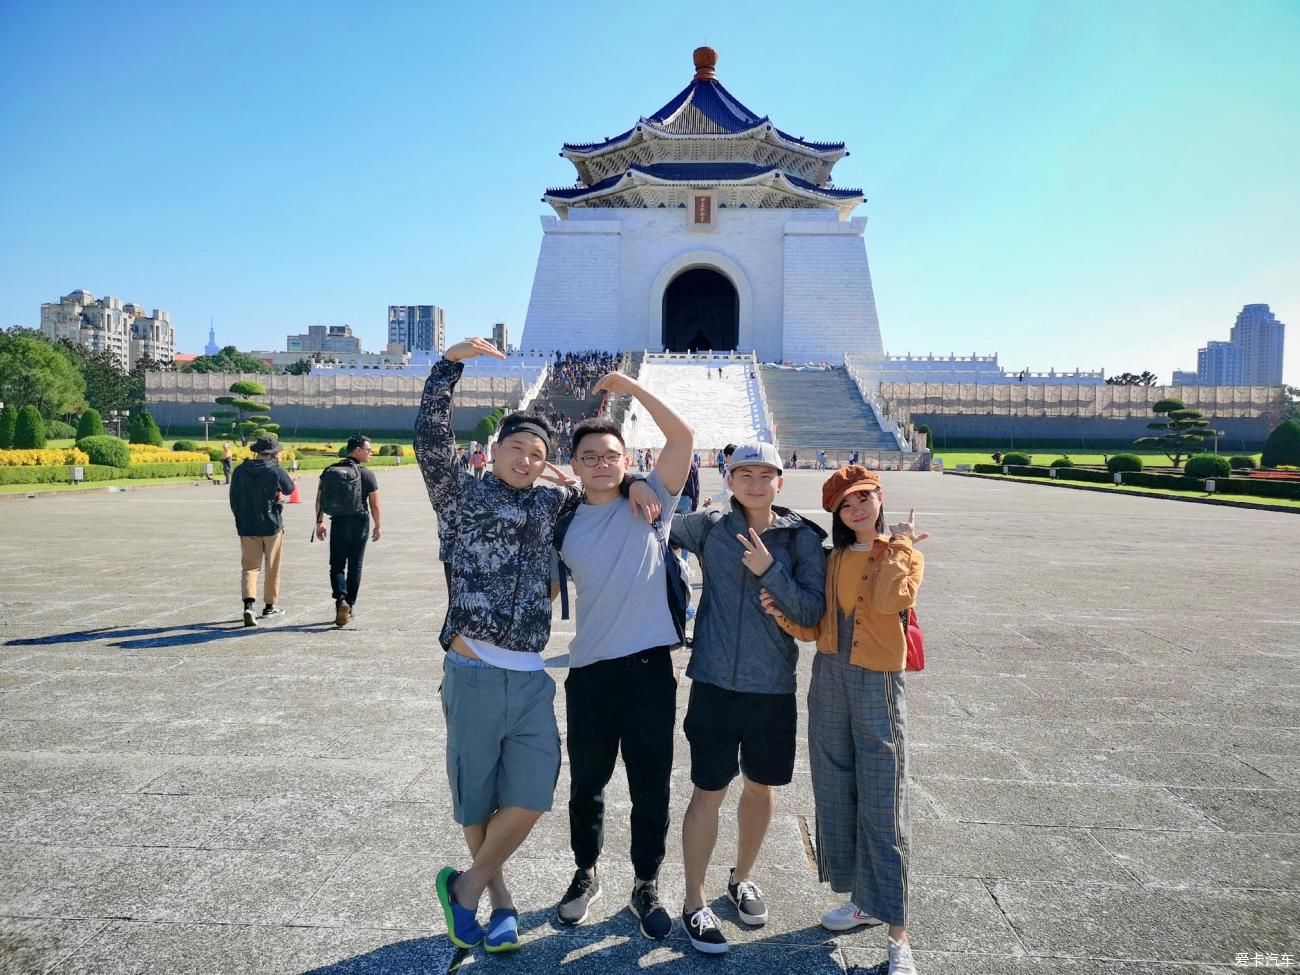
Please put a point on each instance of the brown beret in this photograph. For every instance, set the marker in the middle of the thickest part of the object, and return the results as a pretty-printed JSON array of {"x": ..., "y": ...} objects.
[{"x": 844, "y": 482}]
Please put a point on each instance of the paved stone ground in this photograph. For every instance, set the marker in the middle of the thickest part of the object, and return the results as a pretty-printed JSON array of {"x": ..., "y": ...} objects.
[{"x": 1105, "y": 749}]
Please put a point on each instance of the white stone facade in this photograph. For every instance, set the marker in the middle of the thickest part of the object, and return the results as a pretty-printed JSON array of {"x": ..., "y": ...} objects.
[{"x": 801, "y": 277}]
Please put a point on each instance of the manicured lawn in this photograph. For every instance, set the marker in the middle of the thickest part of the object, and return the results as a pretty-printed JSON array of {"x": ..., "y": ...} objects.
[
  {"x": 951, "y": 458},
  {"x": 1133, "y": 489}
]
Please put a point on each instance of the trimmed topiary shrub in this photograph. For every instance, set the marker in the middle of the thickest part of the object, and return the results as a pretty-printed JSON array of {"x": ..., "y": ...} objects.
[
  {"x": 58, "y": 430},
  {"x": 483, "y": 430},
  {"x": 145, "y": 430},
  {"x": 8, "y": 421},
  {"x": 343, "y": 451},
  {"x": 1063, "y": 462},
  {"x": 105, "y": 451},
  {"x": 1282, "y": 446},
  {"x": 1207, "y": 465},
  {"x": 29, "y": 430},
  {"x": 1017, "y": 459},
  {"x": 1242, "y": 463},
  {"x": 180, "y": 445},
  {"x": 384, "y": 450},
  {"x": 91, "y": 424},
  {"x": 1122, "y": 463},
  {"x": 398, "y": 450}
]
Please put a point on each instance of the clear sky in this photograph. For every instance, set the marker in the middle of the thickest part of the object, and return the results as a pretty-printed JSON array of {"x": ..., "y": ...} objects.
[{"x": 1098, "y": 184}]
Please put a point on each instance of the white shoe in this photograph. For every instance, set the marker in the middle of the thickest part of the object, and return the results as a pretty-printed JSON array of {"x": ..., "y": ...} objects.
[
  {"x": 900, "y": 958},
  {"x": 846, "y": 917}
]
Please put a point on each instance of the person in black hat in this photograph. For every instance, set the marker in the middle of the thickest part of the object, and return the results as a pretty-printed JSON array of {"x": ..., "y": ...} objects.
[{"x": 258, "y": 488}]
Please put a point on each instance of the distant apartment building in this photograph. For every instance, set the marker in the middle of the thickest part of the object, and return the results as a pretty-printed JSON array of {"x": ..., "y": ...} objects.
[
  {"x": 1259, "y": 336},
  {"x": 124, "y": 329},
  {"x": 324, "y": 338},
  {"x": 1186, "y": 377},
  {"x": 417, "y": 328},
  {"x": 1252, "y": 356},
  {"x": 501, "y": 336}
]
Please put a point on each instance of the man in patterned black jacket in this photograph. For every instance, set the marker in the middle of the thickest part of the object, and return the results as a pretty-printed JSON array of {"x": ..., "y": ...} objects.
[{"x": 503, "y": 745}]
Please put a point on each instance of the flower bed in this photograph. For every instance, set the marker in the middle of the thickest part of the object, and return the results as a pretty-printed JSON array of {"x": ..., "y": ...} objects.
[
  {"x": 42, "y": 458},
  {"x": 148, "y": 454}
]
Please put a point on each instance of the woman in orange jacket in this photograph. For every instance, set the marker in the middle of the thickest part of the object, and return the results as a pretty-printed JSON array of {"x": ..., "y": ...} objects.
[{"x": 856, "y": 716}]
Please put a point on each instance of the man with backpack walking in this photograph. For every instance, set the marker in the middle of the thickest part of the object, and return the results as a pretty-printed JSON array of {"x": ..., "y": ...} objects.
[
  {"x": 258, "y": 487},
  {"x": 349, "y": 493}
]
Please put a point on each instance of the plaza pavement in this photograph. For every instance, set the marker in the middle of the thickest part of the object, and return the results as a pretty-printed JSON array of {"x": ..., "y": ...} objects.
[{"x": 1105, "y": 751}]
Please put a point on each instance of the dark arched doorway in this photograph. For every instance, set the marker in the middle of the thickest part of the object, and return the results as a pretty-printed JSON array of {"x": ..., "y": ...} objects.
[{"x": 701, "y": 312}]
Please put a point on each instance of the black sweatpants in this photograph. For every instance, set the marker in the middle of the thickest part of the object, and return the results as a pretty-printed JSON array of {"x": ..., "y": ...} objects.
[
  {"x": 630, "y": 703},
  {"x": 348, "y": 536}
]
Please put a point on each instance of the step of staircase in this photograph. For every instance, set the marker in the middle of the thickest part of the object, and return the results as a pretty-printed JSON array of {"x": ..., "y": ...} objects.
[{"x": 821, "y": 411}]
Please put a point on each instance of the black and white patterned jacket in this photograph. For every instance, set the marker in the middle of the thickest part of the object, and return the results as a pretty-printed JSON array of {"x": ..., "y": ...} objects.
[{"x": 500, "y": 554}]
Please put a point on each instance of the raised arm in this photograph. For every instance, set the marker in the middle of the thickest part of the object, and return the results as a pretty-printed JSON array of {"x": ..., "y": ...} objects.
[
  {"x": 674, "y": 461},
  {"x": 435, "y": 442}
]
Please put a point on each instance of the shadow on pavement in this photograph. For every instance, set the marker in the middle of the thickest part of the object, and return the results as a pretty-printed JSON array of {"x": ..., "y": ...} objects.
[{"x": 181, "y": 635}]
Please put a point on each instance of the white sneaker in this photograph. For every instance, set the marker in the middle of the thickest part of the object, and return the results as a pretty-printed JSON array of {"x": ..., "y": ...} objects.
[
  {"x": 846, "y": 917},
  {"x": 900, "y": 958}
]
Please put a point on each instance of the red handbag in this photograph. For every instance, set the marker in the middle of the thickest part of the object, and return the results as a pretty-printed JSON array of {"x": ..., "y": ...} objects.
[{"x": 915, "y": 640}]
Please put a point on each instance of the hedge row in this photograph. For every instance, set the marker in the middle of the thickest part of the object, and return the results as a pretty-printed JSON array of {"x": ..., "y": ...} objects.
[
  {"x": 1252, "y": 487},
  {"x": 62, "y": 474}
]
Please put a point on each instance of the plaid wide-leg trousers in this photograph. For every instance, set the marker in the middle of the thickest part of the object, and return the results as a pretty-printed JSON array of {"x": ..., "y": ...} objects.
[{"x": 857, "y": 750}]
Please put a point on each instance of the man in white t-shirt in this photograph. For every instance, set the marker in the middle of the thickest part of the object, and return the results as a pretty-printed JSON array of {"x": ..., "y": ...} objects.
[{"x": 621, "y": 692}]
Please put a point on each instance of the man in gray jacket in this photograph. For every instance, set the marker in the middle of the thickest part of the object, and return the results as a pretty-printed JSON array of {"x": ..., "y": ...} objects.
[{"x": 742, "y": 713}]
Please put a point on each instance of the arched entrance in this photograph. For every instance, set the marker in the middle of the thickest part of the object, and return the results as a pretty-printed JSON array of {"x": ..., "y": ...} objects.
[{"x": 701, "y": 312}]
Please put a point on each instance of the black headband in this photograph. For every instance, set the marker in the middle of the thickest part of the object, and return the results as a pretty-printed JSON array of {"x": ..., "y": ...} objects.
[{"x": 526, "y": 426}]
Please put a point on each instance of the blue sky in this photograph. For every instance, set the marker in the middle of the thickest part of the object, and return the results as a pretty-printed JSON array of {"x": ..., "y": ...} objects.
[{"x": 1067, "y": 184}]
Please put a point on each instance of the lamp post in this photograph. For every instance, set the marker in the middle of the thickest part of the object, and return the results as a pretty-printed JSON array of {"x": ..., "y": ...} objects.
[
  {"x": 205, "y": 420},
  {"x": 119, "y": 417}
]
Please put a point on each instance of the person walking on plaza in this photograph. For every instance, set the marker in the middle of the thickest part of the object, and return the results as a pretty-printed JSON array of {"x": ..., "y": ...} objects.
[
  {"x": 227, "y": 459},
  {"x": 349, "y": 493},
  {"x": 258, "y": 488},
  {"x": 742, "y": 715},
  {"x": 621, "y": 692},
  {"x": 478, "y": 461},
  {"x": 857, "y": 721},
  {"x": 503, "y": 744}
]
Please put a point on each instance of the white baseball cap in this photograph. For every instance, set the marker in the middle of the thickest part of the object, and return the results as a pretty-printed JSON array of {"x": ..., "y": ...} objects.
[{"x": 755, "y": 454}]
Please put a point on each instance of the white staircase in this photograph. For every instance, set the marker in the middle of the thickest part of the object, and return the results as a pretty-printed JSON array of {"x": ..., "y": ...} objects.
[{"x": 722, "y": 410}]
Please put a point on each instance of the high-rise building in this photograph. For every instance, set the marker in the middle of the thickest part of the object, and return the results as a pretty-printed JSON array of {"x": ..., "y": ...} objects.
[
  {"x": 1186, "y": 377},
  {"x": 1219, "y": 364},
  {"x": 501, "y": 336},
  {"x": 211, "y": 347},
  {"x": 1252, "y": 356},
  {"x": 324, "y": 338},
  {"x": 1259, "y": 336},
  {"x": 417, "y": 328},
  {"x": 123, "y": 329}
]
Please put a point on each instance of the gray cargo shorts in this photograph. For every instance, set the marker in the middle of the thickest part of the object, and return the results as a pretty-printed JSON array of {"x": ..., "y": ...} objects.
[{"x": 503, "y": 745}]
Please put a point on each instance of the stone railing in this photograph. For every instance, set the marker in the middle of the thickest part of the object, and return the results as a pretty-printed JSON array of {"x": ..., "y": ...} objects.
[{"x": 892, "y": 420}]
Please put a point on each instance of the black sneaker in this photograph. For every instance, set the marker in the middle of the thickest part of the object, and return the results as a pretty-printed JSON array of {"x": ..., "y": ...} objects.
[
  {"x": 249, "y": 618},
  {"x": 584, "y": 890},
  {"x": 703, "y": 930},
  {"x": 271, "y": 612},
  {"x": 655, "y": 921},
  {"x": 748, "y": 900}
]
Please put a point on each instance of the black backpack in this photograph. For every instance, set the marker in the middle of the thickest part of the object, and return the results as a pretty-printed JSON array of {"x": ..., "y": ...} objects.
[{"x": 341, "y": 493}]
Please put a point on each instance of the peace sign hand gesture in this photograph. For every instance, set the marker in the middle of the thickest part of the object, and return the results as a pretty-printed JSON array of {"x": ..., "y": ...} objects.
[
  {"x": 757, "y": 558},
  {"x": 907, "y": 529}
]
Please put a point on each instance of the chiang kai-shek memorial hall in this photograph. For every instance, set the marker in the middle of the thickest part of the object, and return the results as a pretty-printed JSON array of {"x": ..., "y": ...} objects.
[{"x": 704, "y": 226}]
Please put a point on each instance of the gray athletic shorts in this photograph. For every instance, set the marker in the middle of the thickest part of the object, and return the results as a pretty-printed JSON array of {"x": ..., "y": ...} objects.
[{"x": 503, "y": 745}]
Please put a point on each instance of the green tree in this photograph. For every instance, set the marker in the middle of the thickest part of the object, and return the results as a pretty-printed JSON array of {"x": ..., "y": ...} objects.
[
  {"x": 34, "y": 372},
  {"x": 91, "y": 423},
  {"x": 107, "y": 386},
  {"x": 1132, "y": 379},
  {"x": 300, "y": 368},
  {"x": 1282, "y": 446},
  {"x": 1291, "y": 402},
  {"x": 246, "y": 414},
  {"x": 229, "y": 359},
  {"x": 29, "y": 431},
  {"x": 1183, "y": 431},
  {"x": 145, "y": 430},
  {"x": 8, "y": 421}
]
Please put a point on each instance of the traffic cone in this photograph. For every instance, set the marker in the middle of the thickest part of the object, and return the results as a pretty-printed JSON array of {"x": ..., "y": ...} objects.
[{"x": 295, "y": 498}]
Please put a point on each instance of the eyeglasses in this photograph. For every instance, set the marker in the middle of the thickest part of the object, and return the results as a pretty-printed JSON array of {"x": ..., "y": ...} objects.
[{"x": 594, "y": 460}]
